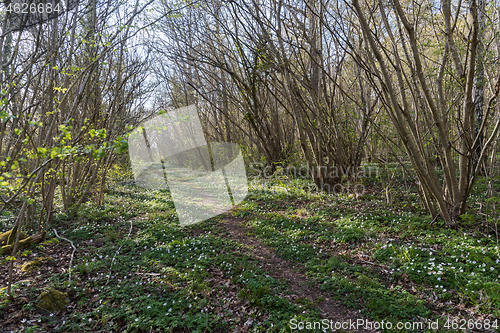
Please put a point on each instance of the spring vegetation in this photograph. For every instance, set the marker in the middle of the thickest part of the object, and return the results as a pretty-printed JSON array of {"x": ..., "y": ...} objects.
[{"x": 370, "y": 133}]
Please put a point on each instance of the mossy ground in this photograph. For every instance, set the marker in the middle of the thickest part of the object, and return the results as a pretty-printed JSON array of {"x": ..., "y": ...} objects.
[
  {"x": 391, "y": 263},
  {"x": 52, "y": 301},
  {"x": 34, "y": 264}
]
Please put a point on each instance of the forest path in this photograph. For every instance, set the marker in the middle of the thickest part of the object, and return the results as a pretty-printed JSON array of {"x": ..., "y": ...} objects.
[{"x": 299, "y": 285}]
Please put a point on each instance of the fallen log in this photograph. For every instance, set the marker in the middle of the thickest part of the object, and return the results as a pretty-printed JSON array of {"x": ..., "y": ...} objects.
[
  {"x": 9, "y": 237},
  {"x": 23, "y": 243}
]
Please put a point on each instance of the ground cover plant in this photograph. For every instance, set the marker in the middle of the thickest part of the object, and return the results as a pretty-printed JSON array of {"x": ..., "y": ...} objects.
[
  {"x": 159, "y": 276},
  {"x": 368, "y": 131},
  {"x": 136, "y": 270}
]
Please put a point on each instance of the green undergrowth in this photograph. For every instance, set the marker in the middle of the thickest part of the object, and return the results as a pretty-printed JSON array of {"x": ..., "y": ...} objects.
[
  {"x": 160, "y": 276},
  {"x": 137, "y": 270},
  {"x": 392, "y": 263}
]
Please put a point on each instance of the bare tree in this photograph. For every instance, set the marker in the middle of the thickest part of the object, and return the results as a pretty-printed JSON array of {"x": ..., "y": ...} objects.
[
  {"x": 68, "y": 99},
  {"x": 412, "y": 88}
]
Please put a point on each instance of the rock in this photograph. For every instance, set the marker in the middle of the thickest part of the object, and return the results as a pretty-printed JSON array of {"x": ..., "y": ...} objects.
[
  {"x": 52, "y": 301},
  {"x": 31, "y": 265},
  {"x": 34, "y": 264}
]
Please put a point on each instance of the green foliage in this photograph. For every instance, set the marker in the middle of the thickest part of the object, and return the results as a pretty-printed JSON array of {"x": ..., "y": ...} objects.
[
  {"x": 438, "y": 261},
  {"x": 163, "y": 275},
  {"x": 172, "y": 278},
  {"x": 4, "y": 115}
]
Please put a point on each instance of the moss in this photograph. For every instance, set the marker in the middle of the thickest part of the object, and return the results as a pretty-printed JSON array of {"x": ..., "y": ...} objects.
[
  {"x": 33, "y": 265},
  {"x": 52, "y": 301},
  {"x": 9, "y": 237},
  {"x": 23, "y": 242},
  {"x": 6, "y": 249}
]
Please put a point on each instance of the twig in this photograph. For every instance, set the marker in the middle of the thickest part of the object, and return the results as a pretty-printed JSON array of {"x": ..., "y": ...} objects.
[
  {"x": 72, "y": 253},
  {"x": 383, "y": 267},
  {"x": 435, "y": 219},
  {"x": 113, "y": 260}
]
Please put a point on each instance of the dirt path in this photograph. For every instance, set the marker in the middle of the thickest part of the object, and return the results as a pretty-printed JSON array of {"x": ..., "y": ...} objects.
[{"x": 281, "y": 269}]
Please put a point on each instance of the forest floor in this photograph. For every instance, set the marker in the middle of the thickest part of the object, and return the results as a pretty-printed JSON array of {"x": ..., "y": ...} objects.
[{"x": 283, "y": 258}]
